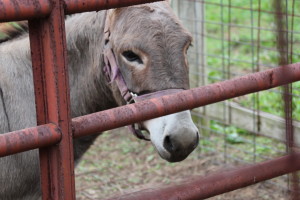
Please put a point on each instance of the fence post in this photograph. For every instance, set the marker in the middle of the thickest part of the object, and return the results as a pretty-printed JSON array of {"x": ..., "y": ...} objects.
[
  {"x": 48, "y": 49},
  {"x": 192, "y": 13}
]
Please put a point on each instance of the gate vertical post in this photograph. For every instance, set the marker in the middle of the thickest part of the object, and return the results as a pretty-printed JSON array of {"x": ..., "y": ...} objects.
[{"x": 48, "y": 50}]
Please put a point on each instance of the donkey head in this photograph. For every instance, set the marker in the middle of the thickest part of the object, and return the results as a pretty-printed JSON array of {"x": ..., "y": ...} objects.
[{"x": 150, "y": 47}]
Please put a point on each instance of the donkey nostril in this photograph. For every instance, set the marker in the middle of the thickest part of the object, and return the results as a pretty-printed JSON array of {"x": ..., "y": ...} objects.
[
  {"x": 197, "y": 140},
  {"x": 168, "y": 144}
]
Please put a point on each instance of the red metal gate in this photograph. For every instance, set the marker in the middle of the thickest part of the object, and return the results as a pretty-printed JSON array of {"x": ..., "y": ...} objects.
[{"x": 56, "y": 129}]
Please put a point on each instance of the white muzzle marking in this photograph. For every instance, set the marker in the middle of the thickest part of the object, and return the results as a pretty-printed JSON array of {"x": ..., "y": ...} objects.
[{"x": 174, "y": 136}]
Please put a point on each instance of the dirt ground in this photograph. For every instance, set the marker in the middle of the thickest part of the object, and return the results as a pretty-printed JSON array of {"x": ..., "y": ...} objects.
[{"x": 118, "y": 163}]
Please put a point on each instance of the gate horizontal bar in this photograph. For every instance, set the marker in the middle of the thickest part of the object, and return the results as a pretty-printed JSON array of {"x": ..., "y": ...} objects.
[
  {"x": 28, "y": 9},
  {"x": 27, "y": 139},
  {"x": 220, "y": 182},
  {"x": 189, "y": 99},
  {"x": 23, "y": 9},
  {"x": 133, "y": 113},
  {"x": 88, "y": 5}
]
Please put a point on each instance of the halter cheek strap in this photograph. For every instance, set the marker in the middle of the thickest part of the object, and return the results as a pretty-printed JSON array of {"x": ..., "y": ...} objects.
[{"x": 113, "y": 74}]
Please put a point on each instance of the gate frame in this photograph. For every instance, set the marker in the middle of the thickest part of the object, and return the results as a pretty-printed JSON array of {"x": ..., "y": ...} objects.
[{"x": 56, "y": 129}]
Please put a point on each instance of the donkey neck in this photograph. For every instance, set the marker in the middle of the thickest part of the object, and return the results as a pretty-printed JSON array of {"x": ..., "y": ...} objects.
[
  {"x": 89, "y": 89},
  {"x": 85, "y": 41}
]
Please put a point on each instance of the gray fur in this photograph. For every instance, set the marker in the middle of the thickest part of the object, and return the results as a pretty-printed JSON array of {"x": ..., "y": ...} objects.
[{"x": 153, "y": 29}]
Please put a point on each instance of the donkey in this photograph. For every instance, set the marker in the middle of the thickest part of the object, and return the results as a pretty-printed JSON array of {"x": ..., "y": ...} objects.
[{"x": 149, "y": 46}]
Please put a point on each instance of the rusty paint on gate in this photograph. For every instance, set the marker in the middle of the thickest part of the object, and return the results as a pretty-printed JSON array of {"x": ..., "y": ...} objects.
[
  {"x": 87, "y": 5},
  {"x": 38, "y": 70},
  {"x": 10, "y": 9},
  {"x": 27, "y": 139},
  {"x": 23, "y": 9},
  {"x": 48, "y": 48}
]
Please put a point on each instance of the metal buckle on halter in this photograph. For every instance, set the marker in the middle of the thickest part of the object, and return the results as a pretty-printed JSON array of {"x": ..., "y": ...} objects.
[{"x": 131, "y": 100}]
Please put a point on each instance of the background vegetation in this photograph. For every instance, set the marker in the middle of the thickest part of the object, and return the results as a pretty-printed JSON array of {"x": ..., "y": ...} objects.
[{"x": 234, "y": 48}]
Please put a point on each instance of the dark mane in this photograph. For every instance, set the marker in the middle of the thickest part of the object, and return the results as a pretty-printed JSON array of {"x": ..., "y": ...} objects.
[{"x": 11, "y": 30}]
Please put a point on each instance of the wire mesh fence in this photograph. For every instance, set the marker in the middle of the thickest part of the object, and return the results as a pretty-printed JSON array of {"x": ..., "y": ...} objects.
[{"x": 233, "y": 38}]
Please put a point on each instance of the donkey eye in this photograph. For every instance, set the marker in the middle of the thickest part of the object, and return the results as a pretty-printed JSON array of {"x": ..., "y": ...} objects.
[{"x": 132, "y": 57}]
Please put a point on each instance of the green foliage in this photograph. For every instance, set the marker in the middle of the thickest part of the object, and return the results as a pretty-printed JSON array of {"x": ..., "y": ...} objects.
[
  {"x": 232, "y": 44},
  {"x": 232, "y": 132},
  {"x": 272, "y": 101}
]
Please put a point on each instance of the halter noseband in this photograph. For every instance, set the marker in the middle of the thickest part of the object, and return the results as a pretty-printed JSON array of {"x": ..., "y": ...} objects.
[{"x": 113, "y": 74}]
